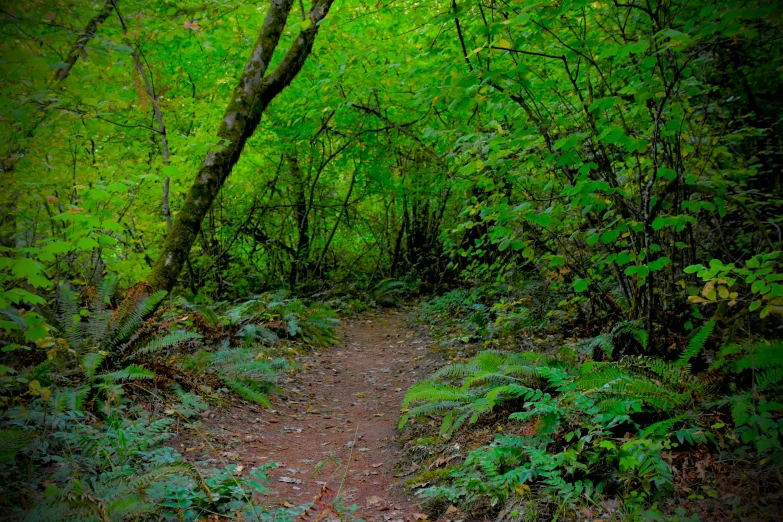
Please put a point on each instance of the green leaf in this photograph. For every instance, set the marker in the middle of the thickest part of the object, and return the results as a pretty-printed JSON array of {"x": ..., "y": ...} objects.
[
  {"x": 659, "y": 263},
  {"x": 610, "y": 236},
  {"x": 86, "y": 244},
  {"x": 580, "y": 285}
]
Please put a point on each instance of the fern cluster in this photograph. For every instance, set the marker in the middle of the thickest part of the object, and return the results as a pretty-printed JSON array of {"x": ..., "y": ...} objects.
[
  {"x": 245, "y": 373},
  {"x": 123, "y": 471},
  {"x": 265, "y": 318},
  {"x": 464, "y": 391}
]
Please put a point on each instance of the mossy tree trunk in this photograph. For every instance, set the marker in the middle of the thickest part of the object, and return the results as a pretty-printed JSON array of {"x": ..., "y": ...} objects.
[{"x": 252, "y": 95}]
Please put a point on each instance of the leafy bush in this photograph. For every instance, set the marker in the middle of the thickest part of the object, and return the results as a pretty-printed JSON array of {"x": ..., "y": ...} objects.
[
  {"x": 267, "y": 317},
  {"x": 87, "y": 470},
  {"x": 591, "y": 428},
  {"x": 61, "y": 461}
]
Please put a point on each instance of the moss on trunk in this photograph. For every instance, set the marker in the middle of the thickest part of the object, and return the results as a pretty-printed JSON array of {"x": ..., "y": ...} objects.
[{"x": 251, "y": 97}]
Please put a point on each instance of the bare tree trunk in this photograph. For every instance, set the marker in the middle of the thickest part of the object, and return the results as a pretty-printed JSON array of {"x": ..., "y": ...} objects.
[
  {"x": 343, "y": 211},
  {"x": 250, "y": 98},
  {"x": 301, "y": 212}
]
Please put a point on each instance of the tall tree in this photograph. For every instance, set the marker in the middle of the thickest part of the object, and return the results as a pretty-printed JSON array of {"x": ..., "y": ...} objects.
[{"x": 250, "y": 99}]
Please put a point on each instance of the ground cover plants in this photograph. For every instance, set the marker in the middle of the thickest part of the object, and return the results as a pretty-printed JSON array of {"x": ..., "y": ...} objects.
[{"x": 583, "y": 422}]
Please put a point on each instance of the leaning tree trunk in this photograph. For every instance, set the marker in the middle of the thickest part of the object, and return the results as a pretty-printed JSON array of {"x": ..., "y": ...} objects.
[
  {"x": 79, "y": 46},
  {"x": 250, "y": 98}
]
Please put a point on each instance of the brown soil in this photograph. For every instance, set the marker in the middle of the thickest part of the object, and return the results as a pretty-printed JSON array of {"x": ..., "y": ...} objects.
[{"x": 337, "y": 425}]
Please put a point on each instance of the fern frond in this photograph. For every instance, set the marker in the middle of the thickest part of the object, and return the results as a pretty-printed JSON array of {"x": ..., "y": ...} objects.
[
  {"x": 206, "y": 312},
  {"x": 171, "y": 339},
  {"x": 67, "y": 316},
  {"x": 257, "y": 332},
  {"x": 12, "y": 440},
  {"x": 556, "y": 377},
  {"x": 69, "y": 399},
  {"x": 761, "y": 356},
  {"x": 429, "y": 408},
  {"x": 456, "y": 370},
  {"x": 652, "y": 393},
  {"x": 768, "y": 378},
  {"x": 602, "y": 378},
  {"x": 670, "y": 373},
  {"x": 129, "y": 373},
  {"x": 696, "y": 344},
  {"x": 131, "y": 323},
  {"x": 633, "y": 328},
  {"x": 91, "y": 362},
  {"x": 510, "y": 391},
  {"x": 491, "y": 379},
  {"x": 428, "y": 391},
  {"x": 247, "y": 390},
  {"x": 662, "y": 428},
  {"x": 155, "y": 473},
  {"x": 106, "y": 288}
]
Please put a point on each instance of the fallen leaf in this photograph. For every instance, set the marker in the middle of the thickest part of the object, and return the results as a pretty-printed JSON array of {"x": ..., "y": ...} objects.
[
  {"x": 290, "y": 480},
  {"x": 273, "y": 421}
]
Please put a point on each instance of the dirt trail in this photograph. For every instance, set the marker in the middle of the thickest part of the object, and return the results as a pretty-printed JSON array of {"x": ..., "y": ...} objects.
[{"x": 341, "y": 410}]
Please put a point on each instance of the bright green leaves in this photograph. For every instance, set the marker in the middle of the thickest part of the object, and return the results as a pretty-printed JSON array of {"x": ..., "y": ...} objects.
[
  {"x": 86, "y": 244},
  {"x": 676, "y": 222},
  {"x": 24, "y": 268},
  {"x": 580, "y": 285},
  {"x": 642, "y": 271},
  {"x": 602, "y": 104},
  {"x": 542, "y": 220},
  {"x": 659, "y": 263},
  {"x": 610, "y": 236},
  {"x": 556, "y": 261}
]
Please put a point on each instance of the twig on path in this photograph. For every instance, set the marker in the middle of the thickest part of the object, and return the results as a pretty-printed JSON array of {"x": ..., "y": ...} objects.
[{"x": 350, "y": 459}]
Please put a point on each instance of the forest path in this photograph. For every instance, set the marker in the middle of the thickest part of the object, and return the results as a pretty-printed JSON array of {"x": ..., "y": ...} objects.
[{"x": 337, "y": 426}]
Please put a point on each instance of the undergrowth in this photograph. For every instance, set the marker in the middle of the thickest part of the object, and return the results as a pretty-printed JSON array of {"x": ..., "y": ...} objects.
[
  {"x": 593, "y": 419},
  {"x": 76, "y": 442}
]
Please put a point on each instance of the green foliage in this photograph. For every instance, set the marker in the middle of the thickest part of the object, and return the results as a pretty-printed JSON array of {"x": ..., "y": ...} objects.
[
  {"x": 267, "y": 317},
  {"x": 492, "y": 378},
  {"x": 758, "y": 426},
  {"x": 12, "y": 440},
  {"x": 118, "y": 471},
  {"x": 697, "y": 343},
  {"x": 606, "y": 167},
  {"x": 246, "y": 374}
]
